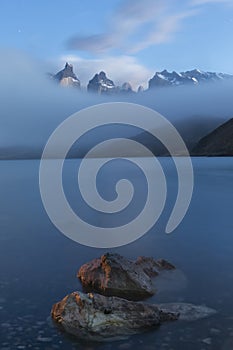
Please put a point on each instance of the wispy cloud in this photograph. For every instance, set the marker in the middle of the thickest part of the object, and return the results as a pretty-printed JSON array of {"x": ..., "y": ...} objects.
[
  {"x": 97, "y": 43},
  {"x": 203, "y": 2},
  {"x": 134, "y": 26},
  {"x": 163, "y": 31}
]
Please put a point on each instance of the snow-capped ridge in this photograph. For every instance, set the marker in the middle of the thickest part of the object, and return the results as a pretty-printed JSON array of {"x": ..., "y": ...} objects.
[{"x": 193, "y": 77}]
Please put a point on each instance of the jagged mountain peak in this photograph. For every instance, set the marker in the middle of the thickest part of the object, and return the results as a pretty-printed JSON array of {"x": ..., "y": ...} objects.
[
  {"x": 67, "y": 77},
  {"x": 126, "y": 86},
  {"x": 102, "y": 75},
  {"x": 101, "y": 84},
  {"x": 68, "y": 65}
]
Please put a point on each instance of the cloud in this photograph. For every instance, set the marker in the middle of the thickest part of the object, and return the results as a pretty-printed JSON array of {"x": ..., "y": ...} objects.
[
  {"x": 203, "y": 2},
  {"x": 31, "y": 104},
  {"x": 98, "y": 43},
  {"x": 156, "y": 20},
  {"x": 163, "y": 31},
  {"x": 120, "y": 69}
]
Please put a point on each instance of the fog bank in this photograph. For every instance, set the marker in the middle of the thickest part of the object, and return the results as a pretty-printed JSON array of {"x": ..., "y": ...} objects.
[{"x": 32, "y": 106}]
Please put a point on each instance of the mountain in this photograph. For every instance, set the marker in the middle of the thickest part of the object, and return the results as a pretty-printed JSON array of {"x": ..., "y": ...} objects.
[
  {"x": 126, "y": 88},
  {"x": 140, "y": 89},
  {"x": 217, "y": 143},
  {"x": 66, "y": 77},
  {"x": 192, "y": 77},
  {"x": 101, "y": 84}
]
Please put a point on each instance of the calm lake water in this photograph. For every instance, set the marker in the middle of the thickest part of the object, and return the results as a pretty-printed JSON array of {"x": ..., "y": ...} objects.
[{"x": 39, "y": 264}]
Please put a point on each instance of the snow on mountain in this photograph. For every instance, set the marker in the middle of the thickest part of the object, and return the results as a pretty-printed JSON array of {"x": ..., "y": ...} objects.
[
  {"x": 101, "y": 84},
  {"x": 192, "y": 77}
]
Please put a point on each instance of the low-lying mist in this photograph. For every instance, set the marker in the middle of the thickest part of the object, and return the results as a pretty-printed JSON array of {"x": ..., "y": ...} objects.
[{"x": 32, "y": 106}]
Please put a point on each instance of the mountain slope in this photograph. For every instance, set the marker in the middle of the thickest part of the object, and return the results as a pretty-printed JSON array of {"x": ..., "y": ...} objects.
[
  {"x": 192, "y": 77},
  {"x": 218, "y": 143}
]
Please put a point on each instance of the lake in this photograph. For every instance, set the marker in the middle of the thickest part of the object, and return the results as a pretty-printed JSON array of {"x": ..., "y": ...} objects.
[{"x": 39, "y": 264}]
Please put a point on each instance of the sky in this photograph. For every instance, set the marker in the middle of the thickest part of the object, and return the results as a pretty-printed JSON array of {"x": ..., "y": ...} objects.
[{"x": 129, "y": 39}]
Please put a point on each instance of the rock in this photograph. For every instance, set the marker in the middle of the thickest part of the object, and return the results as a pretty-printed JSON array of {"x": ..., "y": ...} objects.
[
  {"x": 152, "y": 267},
  {"x": 215, "y": 331},
  {"x": 96, "y": 317},
  {"x": 188, "y": 312},
  {"x": 164, "y": 265},
  {"x": 44, "y": 339},
  {"x": 148, "y": 265},
  {"x": 114, "y": 275},
  {"x": 207, "y": 341}
]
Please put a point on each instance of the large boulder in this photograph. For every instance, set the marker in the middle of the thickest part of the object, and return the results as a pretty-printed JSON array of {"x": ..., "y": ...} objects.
[
  {"x": 96, "y": 317},
  {"x": 114, "y": 275}
]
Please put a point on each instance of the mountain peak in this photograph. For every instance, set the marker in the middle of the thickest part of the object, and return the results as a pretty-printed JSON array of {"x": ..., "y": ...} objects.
[
  {"x": 68, "y": 65},
  {"x": 126, "y": 87},
  {"x": 67, "y": 77},
  {"x": 102, "y": 75},
  {"x": 101, "y": 84}
]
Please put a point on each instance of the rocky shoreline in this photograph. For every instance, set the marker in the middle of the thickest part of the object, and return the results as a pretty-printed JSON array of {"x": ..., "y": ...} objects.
[{"x": 110, "y": 306}]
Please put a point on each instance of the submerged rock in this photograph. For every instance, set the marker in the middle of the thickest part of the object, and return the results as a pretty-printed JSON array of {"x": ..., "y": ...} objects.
[
  {"x": 114, "y": 275},
  {"x": 96, "y": 317},
  {"x": 188, "y": 312}
]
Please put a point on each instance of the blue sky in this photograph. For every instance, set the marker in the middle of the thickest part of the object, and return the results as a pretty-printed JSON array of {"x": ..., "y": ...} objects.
[{"x": 130, "y": 39}]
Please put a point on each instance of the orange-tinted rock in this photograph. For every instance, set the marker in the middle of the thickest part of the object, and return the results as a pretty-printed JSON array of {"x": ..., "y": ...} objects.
[
  {"x": 96, "y": 317},
  {"x": 114, "y": 275}
]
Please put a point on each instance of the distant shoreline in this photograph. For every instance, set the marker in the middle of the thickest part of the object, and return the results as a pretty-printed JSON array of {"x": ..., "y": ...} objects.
[{"x": 161, "y": 156}]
